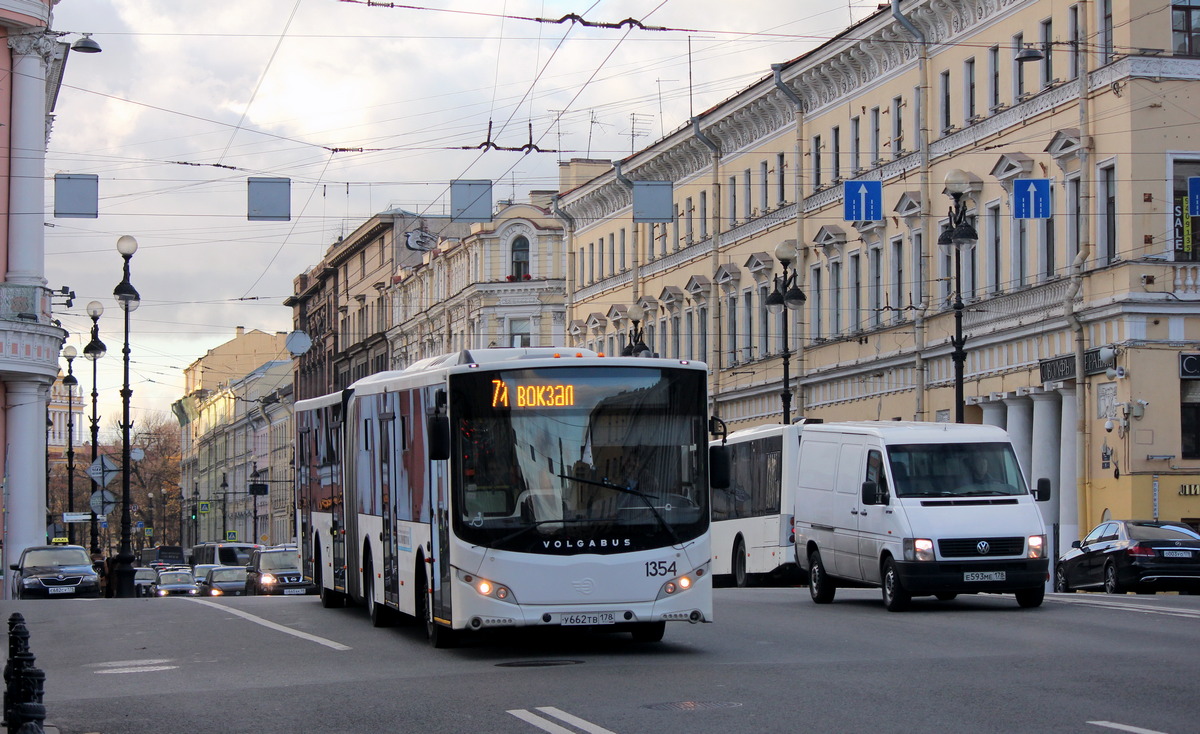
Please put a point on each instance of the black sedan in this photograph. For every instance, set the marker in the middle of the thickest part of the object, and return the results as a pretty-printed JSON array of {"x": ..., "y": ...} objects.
[
  {"x": 224, "y": 581},
  {"x": 174, "y": 583},
  {"x": 49, "y": 571},
  {"x": 1132, "y": 555}
]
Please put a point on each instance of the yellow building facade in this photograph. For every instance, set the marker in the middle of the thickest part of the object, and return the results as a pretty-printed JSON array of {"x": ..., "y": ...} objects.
[{"x": 1080, "y": 326}]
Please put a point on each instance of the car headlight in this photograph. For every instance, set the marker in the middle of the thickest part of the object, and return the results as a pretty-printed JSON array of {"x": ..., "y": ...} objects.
[
  {"x": 193, "y": 591},
  {"x": 918, "y": 549},
  {"x": 1037, "y": 546},
  {"x": 30, "y": 581},
  {"x": 161, "y": 592},
  {"x": 217, "y": 592},
  {"x": 268, "y": 578}
]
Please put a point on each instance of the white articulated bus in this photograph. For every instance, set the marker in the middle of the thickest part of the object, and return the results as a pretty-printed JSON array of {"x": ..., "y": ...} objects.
[
  {"x": 512, "y": 487},
  {"x": 752, "y": 528}
]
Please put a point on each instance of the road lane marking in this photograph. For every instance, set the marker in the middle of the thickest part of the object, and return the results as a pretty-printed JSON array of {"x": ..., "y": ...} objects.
[
  {"x": 273, "y": 625},
  {"x": 1124, "y": 606},
  {"x": 131, "y": 666},
  {"x": 549, "y": 726},
  {"x": 1125, "y": 727}
]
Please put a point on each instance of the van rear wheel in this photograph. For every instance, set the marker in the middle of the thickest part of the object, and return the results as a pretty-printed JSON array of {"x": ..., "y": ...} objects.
[
  {"x": 895, "y": 597},
  {"x": 820, "y": 586}
]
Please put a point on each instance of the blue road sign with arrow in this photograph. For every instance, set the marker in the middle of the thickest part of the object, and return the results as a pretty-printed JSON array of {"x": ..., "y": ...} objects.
[
  {"x": 1031, "y": 198},
  {"x": 862, "y": 201}
]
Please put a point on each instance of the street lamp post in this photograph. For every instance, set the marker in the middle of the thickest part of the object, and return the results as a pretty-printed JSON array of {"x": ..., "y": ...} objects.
[
  {"x": 787, "y": 295},
  {"x": 196, "y": 512},
  {"x": 636, "y": 345},
  {"x": 94, "y": 350},
  {"x": 129, "y": 299},
  {"x": 70, "y": 382},
  {"x": 224, "y": 504},
  {"x": 961, "y": 233}
]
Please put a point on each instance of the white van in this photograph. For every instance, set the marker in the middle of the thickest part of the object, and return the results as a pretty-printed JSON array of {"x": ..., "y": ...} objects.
[{"x": 917, "y": 509}]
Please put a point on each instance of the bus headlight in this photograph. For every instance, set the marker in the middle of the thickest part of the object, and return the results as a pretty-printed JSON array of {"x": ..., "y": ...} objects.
[
  {"x": 681, "y": 583},
  {"x": 488, "y": 588},
  {"x": 1037, "y": 546},
  {"x": 918, "y": 549}
]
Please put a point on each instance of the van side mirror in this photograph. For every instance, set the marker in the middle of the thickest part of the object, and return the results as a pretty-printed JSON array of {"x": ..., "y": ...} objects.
[
  {"x": 438, "y": 431},
  {"x": 873, "y": 494},
  {"x": 718, "y": 467},
  {"x": 1042, "y": 492},
  {"x": 1076, "y": 543}
]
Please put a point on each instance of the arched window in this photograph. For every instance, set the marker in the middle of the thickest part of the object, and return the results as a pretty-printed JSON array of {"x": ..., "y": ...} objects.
[{"x": 520, "y": 258}]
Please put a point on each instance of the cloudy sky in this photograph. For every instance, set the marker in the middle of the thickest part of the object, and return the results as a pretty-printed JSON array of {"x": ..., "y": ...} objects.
[{"x": 188, "y": 100}]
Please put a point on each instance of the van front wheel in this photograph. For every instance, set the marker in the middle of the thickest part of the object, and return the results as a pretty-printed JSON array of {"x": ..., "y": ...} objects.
[
  {"x": 820, "y": 586},
  {"x": 895, "y": 597}
]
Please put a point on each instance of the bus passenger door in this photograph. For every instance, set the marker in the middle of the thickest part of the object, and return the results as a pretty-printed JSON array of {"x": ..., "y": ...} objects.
[
  {"x": 439, "y": 576},
  {"x": 387, "y": 457}
]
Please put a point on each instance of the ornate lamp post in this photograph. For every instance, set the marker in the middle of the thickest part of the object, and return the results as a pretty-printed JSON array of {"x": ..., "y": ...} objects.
[
  {"x": 961, "y": 233},
  {"x": 69, "y": 353},
  {"x": 129, "y": 299},
  {"x": 636, "y": 344},
  {"x": 224, "y": 506},
  {"x": 196, "y": 512},
  {"x": 94, "y": 350},
  {"x": 787, "y": 295}
]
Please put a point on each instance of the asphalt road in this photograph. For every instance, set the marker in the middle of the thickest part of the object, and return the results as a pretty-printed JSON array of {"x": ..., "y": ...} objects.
[{"x": 772, "y": 662}]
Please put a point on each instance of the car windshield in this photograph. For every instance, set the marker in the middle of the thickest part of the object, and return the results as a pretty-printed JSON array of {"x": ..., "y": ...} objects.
[
  {"x": 143, "y": 574},
  {"x": 175, "y": 577},
  {"x": 227, "y": 574},
  {"x": 1159, "y": 531},
  {"x": 279, "y": 561},
  {"x": 57, "y": 557},
  {"x": 955, "y": 470}
]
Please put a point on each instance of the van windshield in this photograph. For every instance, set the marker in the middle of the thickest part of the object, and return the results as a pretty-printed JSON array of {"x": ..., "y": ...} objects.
[{"x": 955, "y": 470}]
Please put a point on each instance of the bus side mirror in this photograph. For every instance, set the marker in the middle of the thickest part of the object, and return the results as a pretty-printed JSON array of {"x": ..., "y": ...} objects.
[
  {"x": 1042, "y": 492},
  {"x": 438, "y": 431},
  {"x": 718, "y": 467}
]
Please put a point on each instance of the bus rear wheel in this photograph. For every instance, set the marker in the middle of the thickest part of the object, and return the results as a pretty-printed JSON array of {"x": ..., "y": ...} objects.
[
  {"x": 381, "y": 615},
  {"x": 740, "y": 577}
]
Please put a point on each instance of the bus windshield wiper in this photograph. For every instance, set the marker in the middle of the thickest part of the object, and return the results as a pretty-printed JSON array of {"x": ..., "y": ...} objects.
[{"x": 630, "y": 490}]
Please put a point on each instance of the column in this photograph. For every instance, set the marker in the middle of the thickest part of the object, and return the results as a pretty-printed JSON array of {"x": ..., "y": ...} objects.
[
  {"x": 25, "y": 426},
  {"x": 1019, "y": 423},
  {"x": 1068, "y": 494},
  {"x": 1047, "y": 435},
  {"x": 27, "y": 163},
  {"x": 995, "y": 413}
]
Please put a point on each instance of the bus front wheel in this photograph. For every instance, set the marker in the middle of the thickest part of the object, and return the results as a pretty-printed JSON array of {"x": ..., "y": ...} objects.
[{"x": 649, "y": 631}]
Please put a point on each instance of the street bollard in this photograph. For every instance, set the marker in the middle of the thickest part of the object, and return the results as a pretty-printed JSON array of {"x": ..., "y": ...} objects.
[{"x": 24, "y": 685}]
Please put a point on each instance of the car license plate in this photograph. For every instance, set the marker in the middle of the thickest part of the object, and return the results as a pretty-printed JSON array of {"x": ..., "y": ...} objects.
[
  {"x": 61, "y": 589},
  {"x": 293, "y": 591},
  {"x": 984, "y": 576},
  {"x": 1177, "y": 554},
  {"x": 594, "y": 618}
]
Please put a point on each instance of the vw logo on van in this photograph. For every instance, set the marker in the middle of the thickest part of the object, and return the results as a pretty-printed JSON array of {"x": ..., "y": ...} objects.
[{"x": 983, "y": 547}]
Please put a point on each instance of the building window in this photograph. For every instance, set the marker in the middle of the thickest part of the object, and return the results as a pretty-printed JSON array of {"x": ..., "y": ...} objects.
[
  {"x": 764, "y": 186},
  {"x": 855, "y": 294},
  {"x": 897, "y": 126},
  {"x": 1108, "y": 215},
  {"x": 518, "y": 333},
  {"x": 835, "y": 154},
  {"x": 702, "y": 333},
  {"x": 748, "y": 325},
  {"x": 592, "y": 261},
  {"x": 703, "y": 214},
  {"x": 764, "y": 321},
  {"x": 1073, "y": 33},
  {"x": 733, "y": 197},
  {"x": 689, "y": 320},
  {"x": 994, "y": 78},
  {"x": 747, "y": 204},
  {"x": 689, "y": 210},
  {"x": 1047, "y": 49},
  {"x": 1185, "y": 27},
  {"x": 875, "y": 123},
  {"x": 918, "y": 291},
  {"x": 780, "y": 177},
  {"x": 1106, "y": 31},
  {"x": 944, "y": 90},
  {"x": 1074, "y": 212},
  {"x": 855, "y": 146},
  {"x": 835, "y": 298},
  {"x": 993, "y": 248},
  {"x": 732, "y": 328},
  {"x": 675, "y": 337},
  {"x": 817, "y": 296},
  {"x": 969, "y": 89},
  {"x": 899, "y": 287},
  {"x": 816, "y": 162},
  {"x": 1048, "y": 256}
]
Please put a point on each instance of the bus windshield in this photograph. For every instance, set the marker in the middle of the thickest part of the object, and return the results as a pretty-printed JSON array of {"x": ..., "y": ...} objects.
[
  {"x": 568, "y": 460},
  {"x": 955, "y": 470}
]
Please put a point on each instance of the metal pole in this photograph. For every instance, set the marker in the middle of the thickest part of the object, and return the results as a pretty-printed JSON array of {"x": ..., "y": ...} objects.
[
  {"x": 128, "y": 297},
  {"x": 95, "y": 526},
  {"x": 786, "y": 395},
  {"x": 70, "y": 382},
  {"x": 959, "y": 355}
]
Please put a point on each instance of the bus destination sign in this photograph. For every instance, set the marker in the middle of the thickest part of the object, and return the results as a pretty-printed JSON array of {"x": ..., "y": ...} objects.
[{"x": 551, "y": 395}]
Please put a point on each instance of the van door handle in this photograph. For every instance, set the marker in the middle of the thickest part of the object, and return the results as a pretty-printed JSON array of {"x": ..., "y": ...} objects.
[{"x": 854, "y": 512}]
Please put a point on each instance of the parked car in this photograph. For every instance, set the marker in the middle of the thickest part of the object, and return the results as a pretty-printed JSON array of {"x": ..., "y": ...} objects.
[
  {"x": 143, "y": 579},
  {"x": 174, "y": 583},
  {"x": 1132, "y": 555},
  {"x": 276, "y": 571},
  {"x": 223, "y": 581},
  {"x": 46, "y": 571}
]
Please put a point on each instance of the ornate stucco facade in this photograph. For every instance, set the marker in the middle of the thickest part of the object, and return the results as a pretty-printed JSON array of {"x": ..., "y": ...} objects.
[{"x": 903, "y": 98}]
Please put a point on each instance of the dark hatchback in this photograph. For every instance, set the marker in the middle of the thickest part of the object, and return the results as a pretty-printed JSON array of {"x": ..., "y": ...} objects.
[
  {"x": 49, "y": 571},
  {"x": 223, "y": 581},
  {"x": 276, "y": 571},
  {"x": 1132, "y": 555}
]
